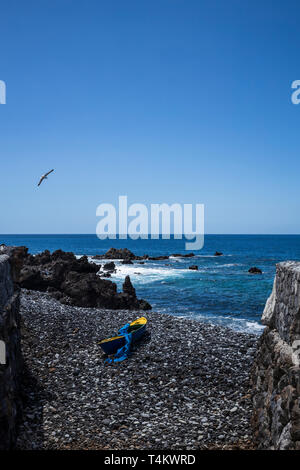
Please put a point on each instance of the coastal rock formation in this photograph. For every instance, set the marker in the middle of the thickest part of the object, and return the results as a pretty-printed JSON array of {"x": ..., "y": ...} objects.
[
  {"x": 10, "y": 350},
  {"x": 276, "y": 370},
  {"x": 128, "y": 287},
  {"x": 128, "y": 256},
  {"x": 179, "y": 255},
  {"x": 114, "y": 253},
  {"x": 109, "y": 267},
  {"x": 127, "y": 261},
  {"x": 71, "y": 280},
  {"x": 255, "y": 270}
]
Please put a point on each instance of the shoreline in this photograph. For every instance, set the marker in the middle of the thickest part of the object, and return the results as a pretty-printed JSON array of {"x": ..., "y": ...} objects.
[
  {"x": 186, "y": 386},
  {"x": 82, "y": 281}
]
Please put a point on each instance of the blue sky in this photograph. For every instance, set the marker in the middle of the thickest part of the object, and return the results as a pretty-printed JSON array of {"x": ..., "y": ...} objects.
[{"x": 161, "y": 100}]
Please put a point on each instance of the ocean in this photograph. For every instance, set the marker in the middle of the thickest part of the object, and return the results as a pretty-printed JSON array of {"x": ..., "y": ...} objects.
[{"x": 221, "y": 292}]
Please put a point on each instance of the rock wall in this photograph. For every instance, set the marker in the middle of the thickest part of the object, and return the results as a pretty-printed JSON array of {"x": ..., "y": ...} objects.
[
  {"x": 276, "y": 370},
  {"x": 11, "y": 361}
]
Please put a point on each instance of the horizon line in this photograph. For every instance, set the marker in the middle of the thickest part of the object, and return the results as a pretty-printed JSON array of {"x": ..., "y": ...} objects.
[{"x": 149, "y": 235}]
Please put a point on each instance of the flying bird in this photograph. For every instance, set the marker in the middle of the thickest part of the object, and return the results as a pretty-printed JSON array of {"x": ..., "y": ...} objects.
[{"x": 44, "y": 177}]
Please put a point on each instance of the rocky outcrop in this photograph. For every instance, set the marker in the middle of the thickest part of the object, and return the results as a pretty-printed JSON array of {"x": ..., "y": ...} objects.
[
  {"x": 276, "y": 370},
  {"x": 179, "y": 255},
  {"x": 114, "y": 253},
  {"x": 71, "y": 280},
  {"x": 127, "y": 256},
  {"x": 110, "y": 267},
  {"x": 255, "y": 270},
  {"x": 10, "y": 350}
]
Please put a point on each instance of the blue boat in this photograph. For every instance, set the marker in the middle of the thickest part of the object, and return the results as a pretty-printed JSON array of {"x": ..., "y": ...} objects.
[{"x": 136, "y": 328}]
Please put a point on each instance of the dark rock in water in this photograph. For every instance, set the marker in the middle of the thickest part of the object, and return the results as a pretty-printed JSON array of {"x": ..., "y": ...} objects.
[
  {"x": 109, "y": 266},
  {"x": 255, "y": 270},
  {"x": 178, "y": 255},
  {"x": 126, "y": 261},
  {"x": 194, "y": 267},
  {"x": 142, "y": 262},
  {"x": 128, "y": 287},
  {"x": 114, "y": 253},
  {"x": 73, "y": 281},
  {"x": 218, "y": 253},
  {"x": 127, "y": 255}
]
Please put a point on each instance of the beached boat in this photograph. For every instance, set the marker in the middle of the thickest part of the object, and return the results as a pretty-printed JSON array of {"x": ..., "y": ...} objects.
[{"x": 137, "y": 328}]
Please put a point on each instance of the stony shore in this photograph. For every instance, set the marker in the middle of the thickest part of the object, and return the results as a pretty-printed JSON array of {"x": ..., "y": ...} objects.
[{"x": 186, "y": 385}]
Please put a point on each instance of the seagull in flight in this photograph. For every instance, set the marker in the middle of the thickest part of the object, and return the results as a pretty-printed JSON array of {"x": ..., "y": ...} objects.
[{"x": 44, "y": 177}]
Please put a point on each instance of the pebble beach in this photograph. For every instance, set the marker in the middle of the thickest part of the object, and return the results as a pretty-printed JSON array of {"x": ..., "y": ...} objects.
[{"x": 185, "y": 385}]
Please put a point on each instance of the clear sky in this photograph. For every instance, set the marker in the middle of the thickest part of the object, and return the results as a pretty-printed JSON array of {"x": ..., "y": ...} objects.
[{"x": 183, "y": 101}]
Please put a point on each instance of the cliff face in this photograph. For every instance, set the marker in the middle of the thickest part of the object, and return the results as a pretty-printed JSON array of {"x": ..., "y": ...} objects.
[
  {"x": 10, "y": 354},
  {"x": 276, "y": 371}
]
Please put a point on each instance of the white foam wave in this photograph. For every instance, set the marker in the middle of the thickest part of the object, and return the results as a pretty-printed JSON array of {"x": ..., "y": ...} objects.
[
  {"x": 144, "y": 274},
  {"x": 254, "y": 326},
  {"x": 212, "y": 256},
  {"x": 228, "y": 265},
  {"x": 237, "y": 324}
]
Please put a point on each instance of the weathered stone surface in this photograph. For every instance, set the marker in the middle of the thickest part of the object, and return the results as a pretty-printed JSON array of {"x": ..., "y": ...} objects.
[
  {"x": 276, "y": 371},
  {"x": 10, "y": 372}
]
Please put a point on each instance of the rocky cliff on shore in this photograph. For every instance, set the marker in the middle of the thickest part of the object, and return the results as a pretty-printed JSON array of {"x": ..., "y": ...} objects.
[
  {"x": 276, "y": 371},
  {"x": 71, "y": 280},
  {"x": 11, "y": 363}
]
